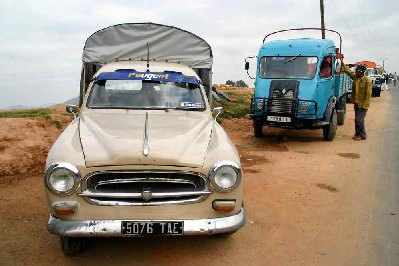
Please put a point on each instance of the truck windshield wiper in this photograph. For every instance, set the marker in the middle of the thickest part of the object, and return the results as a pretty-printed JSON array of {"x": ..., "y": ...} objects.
[{"x": 291, "y": 59}]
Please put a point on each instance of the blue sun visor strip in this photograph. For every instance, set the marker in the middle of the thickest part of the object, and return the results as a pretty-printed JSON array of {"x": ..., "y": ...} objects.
[{"x": 131, "y": 74}]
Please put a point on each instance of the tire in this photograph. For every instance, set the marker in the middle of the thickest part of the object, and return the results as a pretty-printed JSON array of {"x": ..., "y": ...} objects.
[
  {"x": 330, "y": 130},
  {"x": 258, "y": 126},
  {"x": 342, "y": 113},
  {"x": 72, "y": 246}
]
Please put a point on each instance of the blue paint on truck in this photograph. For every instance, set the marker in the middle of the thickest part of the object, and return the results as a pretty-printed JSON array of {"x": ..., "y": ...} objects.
[{"x": 299, "y": 84}]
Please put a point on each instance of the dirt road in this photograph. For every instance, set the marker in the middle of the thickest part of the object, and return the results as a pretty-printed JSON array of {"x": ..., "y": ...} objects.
[{"x": 308, "y": 202}]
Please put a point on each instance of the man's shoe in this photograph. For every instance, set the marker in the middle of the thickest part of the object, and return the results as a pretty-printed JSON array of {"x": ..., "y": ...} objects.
[{"x": 357, "y": 138}]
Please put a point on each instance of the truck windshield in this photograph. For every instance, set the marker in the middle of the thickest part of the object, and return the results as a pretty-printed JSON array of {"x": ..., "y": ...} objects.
[
  {"x": 275, "y": 67},
  {"x": 137, "y": 94}
]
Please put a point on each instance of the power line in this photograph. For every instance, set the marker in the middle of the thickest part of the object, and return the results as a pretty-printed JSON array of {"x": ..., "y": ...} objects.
[{"x": 349, "y": 25}]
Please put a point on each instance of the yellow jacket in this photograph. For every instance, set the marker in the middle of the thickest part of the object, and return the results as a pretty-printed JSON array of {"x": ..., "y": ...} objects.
[{"x": 361, "y": 89}]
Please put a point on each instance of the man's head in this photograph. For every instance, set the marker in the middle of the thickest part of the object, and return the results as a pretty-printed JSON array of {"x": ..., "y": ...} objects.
[{"x": 360, "y": 69}]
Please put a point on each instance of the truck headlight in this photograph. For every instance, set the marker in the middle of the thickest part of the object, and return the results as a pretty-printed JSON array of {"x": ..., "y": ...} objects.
[
  {"x": 303, "y": 107},
  {"x": 62, "y": 178},
  {"x": 225, "y": 176}
]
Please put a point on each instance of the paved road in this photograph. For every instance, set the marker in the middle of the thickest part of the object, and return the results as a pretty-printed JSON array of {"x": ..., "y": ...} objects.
[{"x": 383, "y": 219}]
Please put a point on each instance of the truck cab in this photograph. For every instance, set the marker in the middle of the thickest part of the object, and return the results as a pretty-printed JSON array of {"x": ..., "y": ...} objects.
[{"x": 299, "y": 84}]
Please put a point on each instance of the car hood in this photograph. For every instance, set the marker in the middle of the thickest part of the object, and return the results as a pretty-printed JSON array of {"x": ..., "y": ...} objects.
[{"x": 178, "y": 138}]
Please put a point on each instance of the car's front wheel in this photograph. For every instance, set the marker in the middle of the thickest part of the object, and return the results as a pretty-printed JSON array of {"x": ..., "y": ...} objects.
[{"x": 73, "y": 245}]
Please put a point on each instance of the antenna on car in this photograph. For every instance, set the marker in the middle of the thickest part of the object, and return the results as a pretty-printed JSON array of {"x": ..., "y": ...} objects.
[{"x": 148, "y": 58}]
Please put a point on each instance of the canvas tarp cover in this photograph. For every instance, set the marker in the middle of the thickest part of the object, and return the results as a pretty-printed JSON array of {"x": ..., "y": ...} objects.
[{"x": 129, "y": 41}]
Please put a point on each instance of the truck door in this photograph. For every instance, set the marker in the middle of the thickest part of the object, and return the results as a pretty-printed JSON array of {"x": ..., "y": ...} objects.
[{"x": 325, "y": 84}]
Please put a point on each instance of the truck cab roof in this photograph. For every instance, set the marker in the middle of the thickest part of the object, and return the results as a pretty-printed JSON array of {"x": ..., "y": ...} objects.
[{"x": 305, "y": 47}]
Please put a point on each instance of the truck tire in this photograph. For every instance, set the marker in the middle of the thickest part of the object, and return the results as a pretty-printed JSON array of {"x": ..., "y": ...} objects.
[
  {"x": 330, "y": 130},
  {"x": 258, "y": 126},
  {"x": 341, "y": 113},
  {"x": 72, "y": 246}
]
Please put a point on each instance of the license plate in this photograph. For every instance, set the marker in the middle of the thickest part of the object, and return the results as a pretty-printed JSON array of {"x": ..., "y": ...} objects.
[
  {"x": 152, "y": 228},
  {"x": 279, "y": 119}
]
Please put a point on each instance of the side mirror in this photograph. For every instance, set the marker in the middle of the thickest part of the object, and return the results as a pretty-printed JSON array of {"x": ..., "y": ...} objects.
[
  {"x": 217, "y": 111},
  {"x": 246, "y": 65},
  {"x": 73, "y": 109},
  {"x": 338, "y": 66}
]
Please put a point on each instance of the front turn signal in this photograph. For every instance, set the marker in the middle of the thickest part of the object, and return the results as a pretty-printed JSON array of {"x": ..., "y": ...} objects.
[
  {"x": 223, "y": 205},
  {"x": 65, "y": 208}
]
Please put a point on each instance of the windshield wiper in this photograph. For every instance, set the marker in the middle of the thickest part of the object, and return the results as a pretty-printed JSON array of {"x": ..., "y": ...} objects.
[{"x": 291, "y": 59}]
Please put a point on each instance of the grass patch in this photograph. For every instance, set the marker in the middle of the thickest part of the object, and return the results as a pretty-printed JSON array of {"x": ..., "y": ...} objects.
[
  {"x": 29, "y": 113},
  {"x": 56, "y": 123},
  {"x": 240, "y": 107}
]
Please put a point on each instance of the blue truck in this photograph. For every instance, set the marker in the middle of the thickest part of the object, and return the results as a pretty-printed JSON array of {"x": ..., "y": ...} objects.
[{"x": 299, "y": 84}]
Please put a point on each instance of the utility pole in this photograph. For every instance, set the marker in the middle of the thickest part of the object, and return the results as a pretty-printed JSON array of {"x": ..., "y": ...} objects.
[
  {"x": 383, "y": 62},
  {"x": 323, "y": 27}
]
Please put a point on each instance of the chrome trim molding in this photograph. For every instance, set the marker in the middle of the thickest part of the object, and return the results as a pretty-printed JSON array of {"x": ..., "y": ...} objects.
[
  {"x": 112, "y": 228},
  {"x": 146, "y": 151},
  {"x": 154, "y": 195},
  {"x": 71, "y": 168}
]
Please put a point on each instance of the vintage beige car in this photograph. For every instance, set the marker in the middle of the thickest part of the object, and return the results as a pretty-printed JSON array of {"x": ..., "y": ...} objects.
[{"x": 144, "y": 155}]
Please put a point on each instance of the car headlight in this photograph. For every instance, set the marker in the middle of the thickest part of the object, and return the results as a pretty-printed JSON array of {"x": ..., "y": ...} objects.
[
  {"x": 62, "y": 178},
  {"x": 225, "y": 176}
]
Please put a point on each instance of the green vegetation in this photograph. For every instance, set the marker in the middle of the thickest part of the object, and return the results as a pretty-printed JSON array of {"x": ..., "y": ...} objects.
[
  {"x": 57, "y": 124},
  {"x": 41, "y": 113},
  {"x": 238, "y": 108},
  {"x": 239, "y": 83}
]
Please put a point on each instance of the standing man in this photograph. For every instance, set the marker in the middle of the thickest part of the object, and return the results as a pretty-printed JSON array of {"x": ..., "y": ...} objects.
[{"x": 361, "y": 95}]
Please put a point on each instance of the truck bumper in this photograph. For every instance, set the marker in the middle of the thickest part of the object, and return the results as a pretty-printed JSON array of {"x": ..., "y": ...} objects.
[{"x": 112, "y": 228}]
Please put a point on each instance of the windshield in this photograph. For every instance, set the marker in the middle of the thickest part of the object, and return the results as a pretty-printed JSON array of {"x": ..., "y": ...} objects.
[
  {"x": 137, "y": 94},
  {"x": 275, "y": 67},
  {"x": 371, "y": 72}
]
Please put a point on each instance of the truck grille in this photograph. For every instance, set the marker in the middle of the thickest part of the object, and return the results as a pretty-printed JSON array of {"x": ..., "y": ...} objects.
[
  {"x": 282, "y": 102},
  {"x": 144, "y": 188},
  {"x": 283, "y": 94}
]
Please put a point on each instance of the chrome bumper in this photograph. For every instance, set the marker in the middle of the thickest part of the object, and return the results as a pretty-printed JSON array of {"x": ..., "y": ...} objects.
[{"x": 112, "y": 228}]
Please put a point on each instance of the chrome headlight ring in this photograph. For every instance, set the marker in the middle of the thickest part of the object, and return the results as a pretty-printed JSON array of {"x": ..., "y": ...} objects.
[
  {"x": 232, "y": 173},
  {"x": 68, "y": 169}
]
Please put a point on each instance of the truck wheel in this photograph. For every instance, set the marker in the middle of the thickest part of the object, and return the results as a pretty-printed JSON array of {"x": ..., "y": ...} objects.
[
  {"x": 72, "y": 245},
  {"x": 258, "y": 126},
  {"x": 341, "y": 113},
  {"x": 330, "y": 130}
]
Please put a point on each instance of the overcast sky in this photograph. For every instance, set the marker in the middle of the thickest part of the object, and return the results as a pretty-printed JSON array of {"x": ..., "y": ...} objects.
[{"x": 41, "y": 41}]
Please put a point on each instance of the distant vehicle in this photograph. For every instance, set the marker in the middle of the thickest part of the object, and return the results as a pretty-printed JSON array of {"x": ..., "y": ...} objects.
[
  {"x": 144, "y": 155},
  {"x": 299, "y": 84},
  {"x": 375, "y": 74}
]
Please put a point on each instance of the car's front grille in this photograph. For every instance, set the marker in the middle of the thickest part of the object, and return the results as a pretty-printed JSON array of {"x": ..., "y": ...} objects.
[{"x": 144, "y": 188}]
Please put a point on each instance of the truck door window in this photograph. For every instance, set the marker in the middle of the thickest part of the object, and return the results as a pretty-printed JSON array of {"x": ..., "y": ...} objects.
[
  {"x": 325, "y": 67},
  {"x": 287, "y": 67}
]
